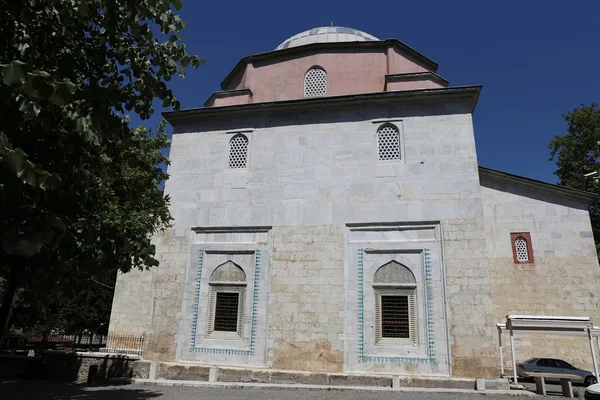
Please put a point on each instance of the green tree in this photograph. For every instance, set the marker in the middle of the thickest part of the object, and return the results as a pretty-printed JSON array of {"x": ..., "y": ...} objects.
[
  {"x": 577, "y": 153},
  {"x": 73, "y": 173},
  {"x": 60, "y": 289}
]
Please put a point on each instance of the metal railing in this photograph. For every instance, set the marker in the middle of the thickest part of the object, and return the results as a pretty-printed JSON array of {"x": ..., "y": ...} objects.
[{"x": 122, "y": 344}]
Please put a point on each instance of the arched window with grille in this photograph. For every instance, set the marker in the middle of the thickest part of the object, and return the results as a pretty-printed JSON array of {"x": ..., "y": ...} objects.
[
  {"x": 238, "y": 151},
  {"x": 315, "y": 82},
  {"x": 388, "y": 142},
  {"x": 395, "y": 289},
  {"x": 521, "y": 247},
  {"x": 227, "y": 298}
]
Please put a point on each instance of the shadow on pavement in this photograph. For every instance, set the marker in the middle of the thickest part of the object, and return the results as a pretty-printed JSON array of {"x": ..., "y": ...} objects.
[
  {"x": 40, "y": 390},
  {"x": 555, "y": 389}
]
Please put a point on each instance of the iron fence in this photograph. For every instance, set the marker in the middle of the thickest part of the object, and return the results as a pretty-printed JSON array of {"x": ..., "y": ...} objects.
[{"x": 123, "y": 344}]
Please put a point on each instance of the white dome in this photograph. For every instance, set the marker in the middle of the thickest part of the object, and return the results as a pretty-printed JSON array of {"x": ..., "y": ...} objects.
[{"x": 327, "y": 34}]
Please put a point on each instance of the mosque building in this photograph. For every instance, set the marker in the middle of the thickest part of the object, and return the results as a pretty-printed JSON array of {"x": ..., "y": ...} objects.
[{"x": 330, "y": 215}]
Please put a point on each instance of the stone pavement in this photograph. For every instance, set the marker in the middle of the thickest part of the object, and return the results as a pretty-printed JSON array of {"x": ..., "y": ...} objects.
[{"x": 10, "y": 390}]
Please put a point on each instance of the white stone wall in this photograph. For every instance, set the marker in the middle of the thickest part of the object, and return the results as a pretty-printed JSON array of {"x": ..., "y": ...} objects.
[
  {"x": 322, "y": 169},
  {"x": 563, "y": 280},
  {"x": 314, "y": 173}
]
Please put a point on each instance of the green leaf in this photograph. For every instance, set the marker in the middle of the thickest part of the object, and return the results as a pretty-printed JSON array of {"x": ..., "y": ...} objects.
[
  {"x": 177, "y": 4},
  {"x": 185, "y": 61},
  {"x": 22, "y": 48},
  {"x": 69, "y": 86},
  {"x": 38, "y": 86},
  {"x": 197, "y": 61},
  {"x": 14, "y": 74},
  {"x": 30, "y": 175},
  {"x": 62, "y": 95},
  {"x": 15, "y": 160},
  {"x": 4, "y": 142}
]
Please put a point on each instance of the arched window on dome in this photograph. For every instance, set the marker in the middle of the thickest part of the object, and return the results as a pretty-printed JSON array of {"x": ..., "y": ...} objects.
[
  {"x": 388, "y": 142},
  {"x": 395, "y": 289},
  {"x": 238, "y": 151},
  {"x": 315, "y": 82}
]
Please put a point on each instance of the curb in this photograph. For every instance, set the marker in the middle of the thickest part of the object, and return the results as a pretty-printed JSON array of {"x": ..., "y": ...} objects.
[{"x": 241, "y": 385}]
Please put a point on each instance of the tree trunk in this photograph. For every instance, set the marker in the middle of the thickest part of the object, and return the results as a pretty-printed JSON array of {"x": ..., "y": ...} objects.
[{"x": 8, "y": 298}]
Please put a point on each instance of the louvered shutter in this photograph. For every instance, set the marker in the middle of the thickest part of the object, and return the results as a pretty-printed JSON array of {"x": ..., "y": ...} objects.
[
  {"x": 377, "y": 317},
  {"x": 412, "y": 310},
  {"x": 241, "y": 306},
  {"x": 211, "y": 310}
]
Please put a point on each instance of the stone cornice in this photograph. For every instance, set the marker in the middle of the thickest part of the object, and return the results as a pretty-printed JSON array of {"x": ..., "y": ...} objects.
[
  {"x": 453, "y": 94},
  {"x": 416, "y": 76},
  {"x": 227, "y": 93}
]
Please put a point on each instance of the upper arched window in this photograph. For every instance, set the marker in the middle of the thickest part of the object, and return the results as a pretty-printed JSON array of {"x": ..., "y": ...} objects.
[
  {"x": 238, "y": 151},
  {"x": 227, "y": 298},
  {"x": 395, "y": 290},
  {"x": 388, "y": 141},
  {"x": 521, "y": 246},
  {"x": 315, "y": 82}
]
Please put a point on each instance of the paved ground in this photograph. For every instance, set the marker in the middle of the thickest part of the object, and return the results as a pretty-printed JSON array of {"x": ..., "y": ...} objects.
[{"x": 56, "y": 391}]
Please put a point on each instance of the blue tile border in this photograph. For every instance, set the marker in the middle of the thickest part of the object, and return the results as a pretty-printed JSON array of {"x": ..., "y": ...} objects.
[
  {"x": 362, "y": 358},
  {"x": 251, "y": 350}
]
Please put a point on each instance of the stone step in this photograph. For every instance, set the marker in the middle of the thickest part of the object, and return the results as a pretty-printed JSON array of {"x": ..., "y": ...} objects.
[{"x": 154, "y": 370}]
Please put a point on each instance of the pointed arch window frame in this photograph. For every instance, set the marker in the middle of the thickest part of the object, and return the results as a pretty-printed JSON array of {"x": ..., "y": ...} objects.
[
  {"x": 237, "y": 287},
  {"x": 396, "y": 289},
  {"x": 513, "y": 240}
]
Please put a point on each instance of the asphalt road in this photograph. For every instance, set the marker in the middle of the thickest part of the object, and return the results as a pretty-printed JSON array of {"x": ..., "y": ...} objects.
[{"x": 61, "y": 391}]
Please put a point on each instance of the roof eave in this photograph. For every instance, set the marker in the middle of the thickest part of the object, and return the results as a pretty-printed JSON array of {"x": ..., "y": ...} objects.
[
  {"x": 574, "y": 194},
  {"x": 469, "y": 93},
  {"x": 227, "y": 93},
  {"x": 416, "y": 76}
]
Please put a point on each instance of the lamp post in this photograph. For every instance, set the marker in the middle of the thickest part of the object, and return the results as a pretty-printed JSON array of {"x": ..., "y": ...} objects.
[{"x": 20, "y": 248}]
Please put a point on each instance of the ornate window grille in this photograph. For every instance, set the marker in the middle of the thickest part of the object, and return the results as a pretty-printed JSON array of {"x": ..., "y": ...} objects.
[
  {"x": 238, "y": 152},
  {"x": 315, "y": 83},
  {"x": 521, "y": 247},
  {"x": 388, "y": 140}
]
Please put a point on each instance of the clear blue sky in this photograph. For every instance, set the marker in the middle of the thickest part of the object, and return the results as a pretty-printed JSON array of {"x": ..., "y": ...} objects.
[{"x": 535, "y": 59}]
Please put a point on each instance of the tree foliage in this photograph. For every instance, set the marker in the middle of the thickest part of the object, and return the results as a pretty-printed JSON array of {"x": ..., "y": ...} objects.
[
  {"x": 577, "y": 153},
  {"x": 72, "y": 170}
]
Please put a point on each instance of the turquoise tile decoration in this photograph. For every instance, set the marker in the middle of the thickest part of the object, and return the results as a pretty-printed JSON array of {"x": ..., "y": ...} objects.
[
  {"x": 254, "y": 316},
  {"x": 362, "y": 358}
]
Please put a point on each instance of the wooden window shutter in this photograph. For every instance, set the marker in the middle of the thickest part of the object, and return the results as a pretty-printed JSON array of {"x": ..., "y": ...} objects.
[
  {"x": 412, "y": 310},
  {"x": 377, "y": 317},
  {"x": 241, "y": 306},
  {"x": 211, "y": 310}
]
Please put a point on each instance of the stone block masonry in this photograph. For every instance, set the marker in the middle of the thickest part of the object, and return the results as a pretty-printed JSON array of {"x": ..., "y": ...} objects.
[
  {"x": 307, "y": 290},
  {"x": 469, "y": 298},
  {"x": 149, "y": 302},
  {"x": 563, "y": 280}
]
